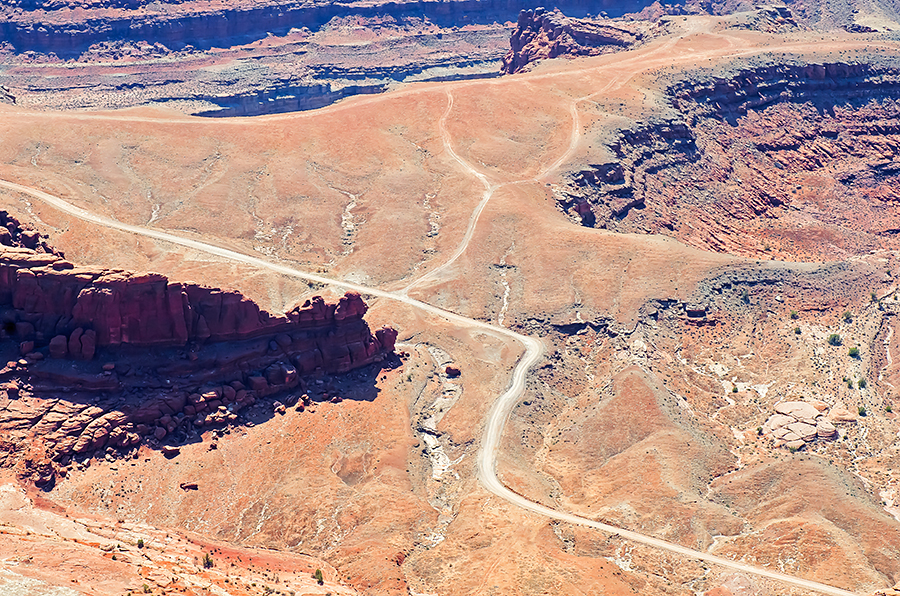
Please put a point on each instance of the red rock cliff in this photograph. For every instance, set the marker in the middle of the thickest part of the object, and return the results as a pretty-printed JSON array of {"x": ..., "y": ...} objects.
[{"x": 72, "y": 311}]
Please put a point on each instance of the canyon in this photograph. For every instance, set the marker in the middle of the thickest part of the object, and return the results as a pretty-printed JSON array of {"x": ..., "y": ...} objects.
[{"x": 621, "y": 320}]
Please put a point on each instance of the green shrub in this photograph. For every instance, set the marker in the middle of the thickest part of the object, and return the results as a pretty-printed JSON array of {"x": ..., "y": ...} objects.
[
  {"x": 734, "y": 389},
  {"x": 319, "y": 577},
  {"x": 873, "y": 296},
  {"x": 854, "y": 352},
  {"x": 795, "y": 315},
  {"x": 207, "y": 561},
  {"x": 834, "y": 339},
  {"x": 888, "y": 408},
  {"x": 745, "y": 296},
  {"x": 140, "y": 543},
  {"x": 861, "y": 411},
  {"x": 850, "y": 383},
  {"x": 862, "y": 384},
  {"x": 146, "y": 589},
  {"x": 847, "y": 316},
  {"x": 797, "y": 330}
]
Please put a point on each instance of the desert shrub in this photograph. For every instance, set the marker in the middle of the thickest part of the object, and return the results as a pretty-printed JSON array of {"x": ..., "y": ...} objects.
[
  {"x": 888, "y": 408},
  {"x": 847, "y": 316},
  {"x": 140, "y": 543},
  {"x": 861, "y": 384},
  {"x": 319, "y": 577},
  {"x": 795, "y": 315},
  {"x": 834, "y": 339},
  {"x": 207, "y": 561},
  {"x": 797, "y": 330},
  {"x": 861, "y": 411},
  {"x": 854, "y": 352}
]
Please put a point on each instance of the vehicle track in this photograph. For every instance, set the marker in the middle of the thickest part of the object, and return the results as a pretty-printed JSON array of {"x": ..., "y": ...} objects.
[{"x": 497, "y": 415}]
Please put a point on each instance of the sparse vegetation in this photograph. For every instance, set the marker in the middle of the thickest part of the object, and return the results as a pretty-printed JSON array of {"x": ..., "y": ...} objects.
[
  {"x": 888, "y": 408},
  {"x": 795, "y": 315},
  {"x": 734, "y": 389},
  {"x": 140, "y": 543},
  {"x": 849, "y": 383},
  {"x": 745, "y": 296},
  {"x": 835, "y": 340},
  {"x": 207, "y": 561},
  {"x": 797, "y": 330},
  {"x": 861, "y": 411},
  {"x": 873, "y": 296},
  {"x": 861, "y": 384},
  {"x": 847, "y": 316},
  {"x": 854, "y": 352},
  {"x": 319, "y": 577},
  {"x": 146, "y": 589}
]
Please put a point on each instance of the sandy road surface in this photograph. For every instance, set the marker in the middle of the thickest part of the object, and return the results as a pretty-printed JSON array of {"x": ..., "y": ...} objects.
[{"x": 499, "y": 412}]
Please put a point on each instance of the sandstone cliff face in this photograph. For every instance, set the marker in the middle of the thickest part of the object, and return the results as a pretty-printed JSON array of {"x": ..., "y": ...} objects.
[
  {"x": 50, "y": 297},
  {"x": 540, "y": 34},
  {"x": 175, "y": 357},
  {"x": 703, "y": 172},
  {"x": 44, "y": 27}
]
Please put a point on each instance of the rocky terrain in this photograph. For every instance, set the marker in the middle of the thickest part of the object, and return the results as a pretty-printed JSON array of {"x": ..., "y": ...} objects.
[
  {"x": 705, "y": 172},
  {"x": 203, "y": 354},
  {"x": 713, "y": 350},
  {"x": 540, "y": 35}
]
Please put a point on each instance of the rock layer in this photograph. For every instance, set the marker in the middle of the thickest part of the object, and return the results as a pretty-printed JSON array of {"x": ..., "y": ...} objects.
[
  {"x": 540, "y": 34},
  {"x": 703, "y": 171}
]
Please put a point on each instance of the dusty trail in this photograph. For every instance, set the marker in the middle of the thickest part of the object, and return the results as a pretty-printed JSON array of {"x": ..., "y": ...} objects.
[{"x": 498, "y": 414}]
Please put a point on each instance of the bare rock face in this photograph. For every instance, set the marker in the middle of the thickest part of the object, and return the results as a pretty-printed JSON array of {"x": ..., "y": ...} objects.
[
  {"x": 176, "y": 357},
  {"x": 74, "y": 311},
  {"x": 540, "y": 34}
]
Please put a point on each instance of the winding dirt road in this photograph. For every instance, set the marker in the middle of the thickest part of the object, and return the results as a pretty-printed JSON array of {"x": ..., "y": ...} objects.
[
  {"x": 533, "y": 348},
  {"x": 498, "y": 414}
]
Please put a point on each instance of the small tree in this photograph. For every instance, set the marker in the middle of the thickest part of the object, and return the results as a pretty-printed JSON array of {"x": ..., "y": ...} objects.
[
  {"x": 834, "y": 339},
  {"x": 140, "y": 543},
  {"x": 854, "y": 352},
  {"x": 207, "y": 561},
  {"x": 319, "y": 577}
]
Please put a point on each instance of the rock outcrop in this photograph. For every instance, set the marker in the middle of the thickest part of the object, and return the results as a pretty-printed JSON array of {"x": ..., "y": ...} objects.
[
  {"x": 73, "y": 311},
  {"x": 541, "y": 34},
  {"x": 176, "y": 357},
  {"x": 702, "y": 171},
  {"x": 797, "y": 423}
]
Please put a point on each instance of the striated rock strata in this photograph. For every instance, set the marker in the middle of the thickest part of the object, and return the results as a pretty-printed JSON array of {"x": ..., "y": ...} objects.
[
  {"x": 703, "y": 172},
  {"x": 540, "y": 34}
]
